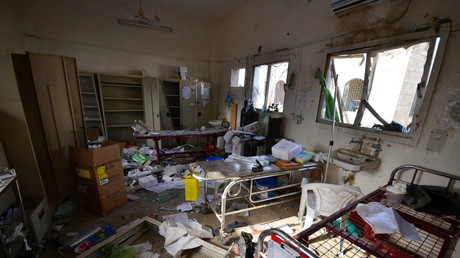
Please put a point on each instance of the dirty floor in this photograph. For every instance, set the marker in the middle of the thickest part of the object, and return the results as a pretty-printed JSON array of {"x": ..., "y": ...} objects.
[{"x": 148, "y": 205}]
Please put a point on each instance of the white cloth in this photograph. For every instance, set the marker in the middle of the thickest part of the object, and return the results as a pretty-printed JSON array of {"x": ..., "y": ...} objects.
[{"x": 181, "y": 236}]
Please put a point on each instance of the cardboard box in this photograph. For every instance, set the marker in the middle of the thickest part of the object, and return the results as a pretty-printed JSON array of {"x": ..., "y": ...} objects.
[
  {"x": 237, "y": 146},
  {"x": 97, "y": 165},
  {"x": 102, "y": 200},
  {"x": 286, "y": 150},
  {"x": 100, "y": 180},
  {"x": 252, "y": 127},
  {"x": 92, "y": 133},
  {"x": 107, "y": 143}
]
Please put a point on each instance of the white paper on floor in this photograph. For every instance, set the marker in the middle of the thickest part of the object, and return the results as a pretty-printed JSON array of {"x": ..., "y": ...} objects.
[
  {"x": 176, "y": 183},
  {"x": 385, "y": 220},
  {"x": 132, "y": 197},
  {"x": 188, "y": 206},
  {"x": 147, "y": 254},
  {"x": 181, "y": 236},
  {"x": 239, "y": 206},
  {"x": 177, "y": 217},
  {"x": 185, "y": 207},
  {"x": 286, "y": 228}
]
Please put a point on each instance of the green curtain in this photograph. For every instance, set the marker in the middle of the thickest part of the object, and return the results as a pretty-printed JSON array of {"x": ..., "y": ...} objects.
[{"x": 328, "y": 96}]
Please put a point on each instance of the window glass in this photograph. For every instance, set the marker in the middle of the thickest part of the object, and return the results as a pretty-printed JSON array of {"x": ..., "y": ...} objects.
[
  {"x": 278, "y": 78},
  {"x": 268, "y": 85},
  {"x": 259, "y": 85},
  {"x": 378, "y": 87}
]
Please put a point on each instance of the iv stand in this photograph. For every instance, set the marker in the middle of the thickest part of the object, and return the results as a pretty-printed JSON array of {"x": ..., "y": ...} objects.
[{"x": 331, "y": 141}]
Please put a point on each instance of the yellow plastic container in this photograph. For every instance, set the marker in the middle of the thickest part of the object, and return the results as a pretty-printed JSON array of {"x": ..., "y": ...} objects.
[{"x": 192, "y": 188}]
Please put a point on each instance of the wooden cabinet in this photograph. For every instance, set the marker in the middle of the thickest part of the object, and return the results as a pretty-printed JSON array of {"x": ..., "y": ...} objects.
[
  {"x": 50, "y": 95},
  {"x": 91, "y": 106},
  {"x": 172, "y": 104},
  {"x": 122, "y": 103},
  {"x": 196, "y": 108}
]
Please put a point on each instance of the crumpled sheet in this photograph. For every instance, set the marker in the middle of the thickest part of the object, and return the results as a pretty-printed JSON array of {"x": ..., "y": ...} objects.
[
  {"x": 385, "y": 220},
  {"x": 181, "y": 236}
]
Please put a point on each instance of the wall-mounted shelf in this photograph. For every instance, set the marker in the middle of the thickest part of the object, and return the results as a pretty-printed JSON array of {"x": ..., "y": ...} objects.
[
  {"x": 122, "y": 103},
  {"x": 111, "y": 98},
  {"x": 131, "y": 110}
]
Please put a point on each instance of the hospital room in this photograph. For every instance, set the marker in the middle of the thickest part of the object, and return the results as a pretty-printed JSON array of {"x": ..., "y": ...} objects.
[{"x": 229, "y": 128}]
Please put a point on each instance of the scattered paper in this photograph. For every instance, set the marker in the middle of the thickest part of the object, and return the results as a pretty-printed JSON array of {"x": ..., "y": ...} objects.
[
  {"x": 132, "y": 197},
  {"x": 147, "y": 254},
  {"x": 176, "y": 183},
  {"x": 177, "y": 217},
  {"x": 286, "y": 228},
  {"x": 181, "y": 236},
  {"x": 303, "y": 100},
  {"x": 184, "y": 207},
  {"x": 204, "y": 93},
  {"x": 186, "y": 92}
]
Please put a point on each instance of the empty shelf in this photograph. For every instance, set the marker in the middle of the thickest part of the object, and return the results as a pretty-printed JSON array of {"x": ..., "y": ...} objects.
[
  {"x": 115, "y": 126},
  {"x": 121, "y": 85},
  {"x": 124, "y": 110},
  {"x": 92, "y": 119},
  {"x": 129, "y": 99}
]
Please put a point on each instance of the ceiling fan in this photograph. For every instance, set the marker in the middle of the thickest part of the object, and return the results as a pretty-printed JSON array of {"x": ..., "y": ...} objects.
[{"x": 141, "y": 21}]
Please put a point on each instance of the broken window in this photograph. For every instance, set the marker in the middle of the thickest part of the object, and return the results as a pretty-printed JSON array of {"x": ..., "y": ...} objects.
[
  {"x": 268, "y": 85},
  {"x": 380, "y": 88}
]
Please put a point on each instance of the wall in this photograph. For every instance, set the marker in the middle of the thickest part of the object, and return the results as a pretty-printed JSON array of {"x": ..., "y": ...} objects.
[
  {"x": 312, "y": 26},
  {"x": 11, "y": 113},
  {"x": 88, "y": 30}
]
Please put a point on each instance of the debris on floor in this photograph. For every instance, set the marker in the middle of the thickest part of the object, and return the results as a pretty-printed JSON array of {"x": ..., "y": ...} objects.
[
  {"x": 238, "y": 206},
  {"x": 183, "y": 235}
]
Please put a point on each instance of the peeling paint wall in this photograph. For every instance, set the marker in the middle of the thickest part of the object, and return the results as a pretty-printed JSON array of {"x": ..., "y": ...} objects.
[
  {"x": 88, "y": 31},
  {"x": 313, "y": 27}
]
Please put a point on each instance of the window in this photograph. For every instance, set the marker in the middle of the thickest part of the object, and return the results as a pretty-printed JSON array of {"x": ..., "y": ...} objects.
[
  {"x": 237, "y": 77},
  {"x": 268, "y": 85},
  {"x": 381, "y": 88}
]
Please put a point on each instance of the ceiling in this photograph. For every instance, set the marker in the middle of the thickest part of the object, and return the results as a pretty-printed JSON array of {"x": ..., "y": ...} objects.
[{"x": 206, "y": 9}]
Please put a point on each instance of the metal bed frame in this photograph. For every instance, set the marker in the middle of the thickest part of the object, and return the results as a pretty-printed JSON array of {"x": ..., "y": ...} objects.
[
  {"x": 238, "y": 172},
  {"x": 439, "y": 234}
]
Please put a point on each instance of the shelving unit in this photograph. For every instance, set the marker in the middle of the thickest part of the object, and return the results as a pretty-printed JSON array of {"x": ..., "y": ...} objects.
[
  {"x": 122, "y": 103},
  {"x": 90, "y": 99},
  {"x": 171, "y": 90},
  {"x": 10, "y": 197}
]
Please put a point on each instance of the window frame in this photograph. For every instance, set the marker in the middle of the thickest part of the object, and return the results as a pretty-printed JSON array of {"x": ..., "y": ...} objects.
[
  {"x": 421, "y": 108},
  {"x": 267, "y": 83},
  {"x": 231, "y": 77}
]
